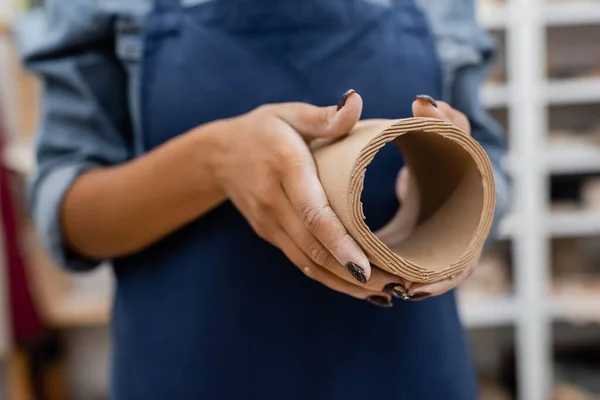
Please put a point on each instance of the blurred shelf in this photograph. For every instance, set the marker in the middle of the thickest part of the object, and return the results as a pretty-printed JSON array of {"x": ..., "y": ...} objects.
[
  {"x": 582, "y": 309},
  {"x": 493, "y": 16},
  {"x": 65, "y": 300},
  {"x": 563, "y": 13},
  {"x": 19, "y": 157},
  {"x": 4, "y": 27},
  {"x": 506, "y": 227},
  {"x": 571, "y": 12},
  {"x": 494, "y": 95},
  {"x": 74, "y": 310},
  {"x": 558, "y": 224},
  {"x": 489, "y": 312},
  {"x": 573, "y": 224},
  {"x": 565, "y": 159},
  {"x": 573, "y": 91}
]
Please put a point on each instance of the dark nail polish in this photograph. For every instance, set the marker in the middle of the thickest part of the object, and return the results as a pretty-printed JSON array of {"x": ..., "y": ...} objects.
[
  {"x": 394, "y": 289},
  {"x": 429, "y": 99},
  {"x": 357, "y": 272},
  {"x": 380, "y": 301},
  {"x": 345, "y": 96},
  {"x": 418, "y": 296}
]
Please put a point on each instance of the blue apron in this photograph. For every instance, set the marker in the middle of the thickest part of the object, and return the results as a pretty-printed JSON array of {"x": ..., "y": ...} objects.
[{"x": 214, "y": 312}]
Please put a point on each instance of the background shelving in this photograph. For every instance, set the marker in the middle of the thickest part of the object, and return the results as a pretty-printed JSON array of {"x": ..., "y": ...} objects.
[
  {"x": 493, "y": 16},
  {"x": 491, "y": 312},
  {"x": 572, "y": 91},
  {"x": 573, "y": 224},
  {"x": 539, "y": 99},
  {"x": 572, "y": 159},
  {"x": 571, "y": 13},
  {"x": 494, "y": 95}
]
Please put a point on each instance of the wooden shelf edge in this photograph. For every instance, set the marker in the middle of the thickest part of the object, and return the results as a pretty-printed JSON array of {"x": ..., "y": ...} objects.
[
  {"x": 571, "y": 13},
  {"x": 5, "y": 28},
  {"x": 568, "y": 91},
  {"x": 494, "y": 95},
  {"x": 583, "y": 309},
  {"x": 19, "y": 157},
  {"x": 72, "y": 312},
  {"x": 493, "y": 311},
  {"x": 493, "y": 16}
]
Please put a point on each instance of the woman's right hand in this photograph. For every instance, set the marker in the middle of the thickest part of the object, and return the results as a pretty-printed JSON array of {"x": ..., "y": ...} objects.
[{"x": 263, "y": 163}]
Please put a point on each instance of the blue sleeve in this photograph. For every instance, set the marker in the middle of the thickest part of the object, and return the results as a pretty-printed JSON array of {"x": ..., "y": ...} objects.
[
  {"x": 84, "y": 123},
  {"x": 465, "y": 97},
  {"x": 466, "y": 51}
]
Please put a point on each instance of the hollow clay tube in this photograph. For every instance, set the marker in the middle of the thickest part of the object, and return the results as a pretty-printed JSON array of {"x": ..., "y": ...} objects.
[{"x": 451, "y": 179}]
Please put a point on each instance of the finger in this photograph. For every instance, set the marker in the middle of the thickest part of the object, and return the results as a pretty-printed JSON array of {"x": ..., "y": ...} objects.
[
  {"x": 422, "y": 291},
  {"x": 403, "y": 184},
  {"x": 322, "y": 122},
  {"x": 455, "y": 117},
  {"x": 310, "y": 246},
  {"x": 425, "y": 106},
  {"x": 315, "y": 272},
  {"x": 297, "y": 231},
  {"x": 309, "y": 201}
]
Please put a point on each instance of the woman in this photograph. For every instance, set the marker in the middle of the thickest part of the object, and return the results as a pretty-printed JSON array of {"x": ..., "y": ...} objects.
[{"x": 174, "y": 142}]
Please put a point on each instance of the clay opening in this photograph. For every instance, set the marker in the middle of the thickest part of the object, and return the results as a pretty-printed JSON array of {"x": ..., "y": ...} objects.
[{"x": 448, "y": 189}]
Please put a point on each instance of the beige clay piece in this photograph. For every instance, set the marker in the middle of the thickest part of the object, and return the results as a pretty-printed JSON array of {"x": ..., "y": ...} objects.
[{"x": 454, "y": 186}]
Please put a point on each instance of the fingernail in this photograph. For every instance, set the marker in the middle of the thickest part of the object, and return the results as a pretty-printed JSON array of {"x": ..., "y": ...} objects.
[
  {"x": 418, "y": 296},
  {"x": 357, "y": 272},
  {"x": 394, "y": 289},
  {"x": 345, "y": 96},
  {"x": 430, "y": 99},
  {"x": 380, "y": 301}
]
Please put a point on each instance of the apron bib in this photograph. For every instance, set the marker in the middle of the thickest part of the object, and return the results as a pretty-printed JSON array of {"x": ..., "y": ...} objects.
[{"x": 213, "y": 311}]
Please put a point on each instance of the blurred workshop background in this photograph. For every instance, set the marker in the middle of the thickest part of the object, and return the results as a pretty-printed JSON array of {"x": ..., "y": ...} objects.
[{"x": 532, "y": 307}]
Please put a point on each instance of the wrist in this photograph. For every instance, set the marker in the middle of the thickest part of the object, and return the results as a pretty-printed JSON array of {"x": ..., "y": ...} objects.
[{"x": 206, "y": 146}]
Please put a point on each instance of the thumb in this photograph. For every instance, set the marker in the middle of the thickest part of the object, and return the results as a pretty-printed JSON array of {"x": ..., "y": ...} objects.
[
  {"x": 314, "y": 122},
  {"x": 426, "y": 106}
]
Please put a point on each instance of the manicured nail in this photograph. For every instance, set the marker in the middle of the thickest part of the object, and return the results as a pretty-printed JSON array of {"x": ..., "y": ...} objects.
[
  {"x": 345, "y": 96},
  {"x": 380, "y": 301},
  {"x": 357, "y": 272},
  {"x": 418, "y": 296},
  {"x": 394, "y": 289},
  {"x": 428, "y": 98}
]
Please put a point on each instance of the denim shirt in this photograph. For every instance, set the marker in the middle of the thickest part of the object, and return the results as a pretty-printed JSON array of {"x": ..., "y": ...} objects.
[{"x": 87, "y": 54}]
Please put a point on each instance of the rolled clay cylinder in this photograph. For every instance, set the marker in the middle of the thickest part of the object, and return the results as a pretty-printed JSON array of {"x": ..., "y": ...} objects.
[{"x": 451, "y": 178}]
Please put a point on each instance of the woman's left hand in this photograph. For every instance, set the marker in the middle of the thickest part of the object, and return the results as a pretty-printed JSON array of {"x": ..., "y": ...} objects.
[{"x": 402, "y": 224}]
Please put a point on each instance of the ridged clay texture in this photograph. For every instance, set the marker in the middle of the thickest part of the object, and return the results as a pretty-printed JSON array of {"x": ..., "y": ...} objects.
[{"x": 451, "y": 179}]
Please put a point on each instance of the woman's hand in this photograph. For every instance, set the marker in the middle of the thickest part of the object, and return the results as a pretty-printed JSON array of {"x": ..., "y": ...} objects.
[
  {"x": 404, "y": 221},
  {"x": 264, "y": 165}
]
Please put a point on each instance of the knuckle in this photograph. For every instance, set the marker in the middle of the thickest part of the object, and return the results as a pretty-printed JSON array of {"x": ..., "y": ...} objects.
[
  {"x": 324, "y": 120},
  {"x": 262, "y": 233},
  {"x": 265, "y": 108},
  {"x": 266, "y": 201},
  {"x": 318, "y": 253},
  {"x": 285, "y": 155},
  {"x": 261, "y": 230},
  {"x": 315, "y": 216},
  {"x": 335, "y": 244},
  {"x": 308, "y": 271}
]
